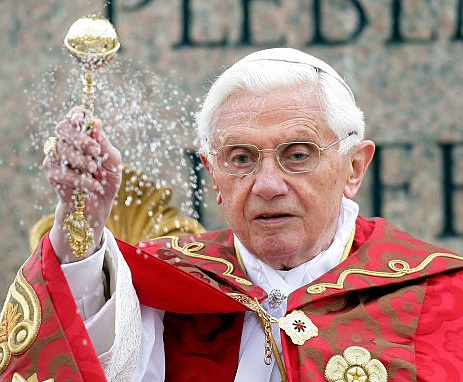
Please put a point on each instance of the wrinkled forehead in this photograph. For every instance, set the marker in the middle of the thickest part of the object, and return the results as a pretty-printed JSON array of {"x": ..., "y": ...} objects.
[
  {"x": 289, "y": 113},
  {"x": 289, "y": 102}
]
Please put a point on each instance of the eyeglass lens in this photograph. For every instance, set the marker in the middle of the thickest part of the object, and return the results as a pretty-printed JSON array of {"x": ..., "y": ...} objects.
[{"x": 295, "y": 157}]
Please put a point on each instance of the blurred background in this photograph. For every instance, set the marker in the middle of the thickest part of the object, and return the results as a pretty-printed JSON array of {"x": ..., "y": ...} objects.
[{"x": 402, "y": 59}]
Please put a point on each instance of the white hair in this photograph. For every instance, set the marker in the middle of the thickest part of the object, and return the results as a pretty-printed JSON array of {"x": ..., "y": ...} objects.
[{"x": 268, "y": 70}]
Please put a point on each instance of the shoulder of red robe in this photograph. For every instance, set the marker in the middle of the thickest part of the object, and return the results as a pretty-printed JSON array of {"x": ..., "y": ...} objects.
[
  {"x": 190, "y": 274},
  {"x": 42, "y": 335},
  {"x": 199, "y": 273},
  {"x": 383, "y": 255}
]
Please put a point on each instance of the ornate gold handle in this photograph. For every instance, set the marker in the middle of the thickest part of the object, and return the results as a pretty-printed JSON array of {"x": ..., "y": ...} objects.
[{"x": 93, "y": 41}]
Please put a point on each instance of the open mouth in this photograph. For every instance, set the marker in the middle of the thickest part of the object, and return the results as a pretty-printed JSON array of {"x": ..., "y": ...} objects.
[{"x": 273, "y": 217}]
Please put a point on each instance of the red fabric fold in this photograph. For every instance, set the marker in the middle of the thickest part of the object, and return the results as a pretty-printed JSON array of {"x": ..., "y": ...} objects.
[{"x": 80, "y": 344}]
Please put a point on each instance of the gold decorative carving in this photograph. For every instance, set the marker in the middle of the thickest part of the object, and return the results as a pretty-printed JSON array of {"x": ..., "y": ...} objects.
[
  {"x": 75, "y": 223},
  {"x": 20, "y": 320},
  {"x": 141, "y": 212},
  {"x": 189, "y": 250},
  {"x": 399, "y": 268},
  {"x": 33, "y": 378},
  {"x": 355, "y": 365}
]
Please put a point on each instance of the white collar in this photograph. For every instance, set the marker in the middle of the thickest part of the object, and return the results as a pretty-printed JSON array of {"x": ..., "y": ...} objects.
[{"x": 268, "y": 278}]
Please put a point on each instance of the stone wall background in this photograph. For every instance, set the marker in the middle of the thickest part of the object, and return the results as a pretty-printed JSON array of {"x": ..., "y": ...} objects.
[{"x": 410, "y": 92}]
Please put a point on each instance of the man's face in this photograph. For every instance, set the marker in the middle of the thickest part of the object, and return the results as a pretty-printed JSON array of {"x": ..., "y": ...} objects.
[{"x": 284, "y": 219}]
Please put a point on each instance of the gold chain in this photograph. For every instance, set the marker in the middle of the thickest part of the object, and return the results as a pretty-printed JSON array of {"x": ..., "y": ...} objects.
[
  {"x": 267, "y": 327},
  {"x": 266, "y": 321}
]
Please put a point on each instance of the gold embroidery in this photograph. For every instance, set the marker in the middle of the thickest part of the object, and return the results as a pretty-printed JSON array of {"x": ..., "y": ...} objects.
[
  {"x": 189, "y": 250},
  {"x": 249, "y": 302},
  {"x": 399, "y": 268},
  {"x": 355, "y": 365},
  {"x": 33, "y": 378},
  {"x": 10, "y": 321},
  {"x": 20, "y": 320}
]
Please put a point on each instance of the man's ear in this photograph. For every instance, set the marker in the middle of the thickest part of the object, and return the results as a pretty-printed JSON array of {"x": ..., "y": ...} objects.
[
  {"x": 360, "y": 158},
  {"x": 210, "y": 170}
]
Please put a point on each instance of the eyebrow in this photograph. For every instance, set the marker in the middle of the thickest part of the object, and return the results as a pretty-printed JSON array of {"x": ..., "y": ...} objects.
[
  {"x": 239, "y": 142},
  {"x": 294, "y": 134}
]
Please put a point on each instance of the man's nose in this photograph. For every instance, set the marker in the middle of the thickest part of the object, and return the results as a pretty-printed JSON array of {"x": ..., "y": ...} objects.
[{"x": 269, "y": 178}]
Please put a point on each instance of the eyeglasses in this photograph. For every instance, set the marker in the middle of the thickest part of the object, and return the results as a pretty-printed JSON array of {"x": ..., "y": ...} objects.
[{"x": 293, "y": 157}]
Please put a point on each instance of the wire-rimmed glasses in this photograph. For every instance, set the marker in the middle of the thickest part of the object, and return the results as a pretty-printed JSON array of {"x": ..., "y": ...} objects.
[{"x": 293, "y": 157}]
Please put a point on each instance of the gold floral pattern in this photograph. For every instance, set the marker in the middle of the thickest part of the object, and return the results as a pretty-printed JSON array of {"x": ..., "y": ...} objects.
[
  {"x": 19, "y": 320},
  {"x": 10, "y": 320},
  {"x": 355, "y": 365},
  {"x": 33, "y": 378}
]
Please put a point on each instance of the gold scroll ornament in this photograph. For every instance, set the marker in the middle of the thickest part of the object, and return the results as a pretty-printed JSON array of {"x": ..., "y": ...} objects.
[
  {"x": 33, "y": 378},
  {"x": 19, "y": 320}
]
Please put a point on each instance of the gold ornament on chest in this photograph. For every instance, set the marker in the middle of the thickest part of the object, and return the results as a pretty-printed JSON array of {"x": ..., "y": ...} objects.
[
  {"x": 298, "y": 327},
  {"x": 355, "y": 365}
]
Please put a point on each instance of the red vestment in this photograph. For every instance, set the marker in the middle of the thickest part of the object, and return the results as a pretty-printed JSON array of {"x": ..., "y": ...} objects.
[{"x": 394, "y": 302}]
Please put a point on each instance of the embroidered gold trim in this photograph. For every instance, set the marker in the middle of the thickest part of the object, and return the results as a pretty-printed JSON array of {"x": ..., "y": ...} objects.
[
  {"x": 355, "y": 365},
  {"x": 19, "y": 320},
  {"x": 189, "y": 250},
  {"x": 399, "y": 268},
  {"x": 252, "y": 304},
  {"x": 33, "y": 378}
]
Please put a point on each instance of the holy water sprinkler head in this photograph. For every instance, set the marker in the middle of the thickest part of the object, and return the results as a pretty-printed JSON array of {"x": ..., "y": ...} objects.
[{"x": 92, "y": 40}]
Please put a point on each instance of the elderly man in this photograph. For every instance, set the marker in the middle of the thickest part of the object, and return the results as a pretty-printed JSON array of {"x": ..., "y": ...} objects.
[{"x": 301, "y": 288}]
